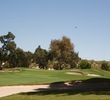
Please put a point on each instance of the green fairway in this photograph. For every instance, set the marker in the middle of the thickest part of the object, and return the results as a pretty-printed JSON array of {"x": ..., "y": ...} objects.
[
  {"x": 32, "y": 76},
  {"x": 35, "y": 77}
]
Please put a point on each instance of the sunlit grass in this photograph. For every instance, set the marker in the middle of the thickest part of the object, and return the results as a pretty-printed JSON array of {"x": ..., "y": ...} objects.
[{"x": 32, "y": 76}]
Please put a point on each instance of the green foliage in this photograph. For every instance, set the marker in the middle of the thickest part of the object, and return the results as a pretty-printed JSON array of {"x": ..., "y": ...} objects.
[
  {"x": 96, "y": 65},
  {"x": 8, "y": 48},
  {"x": 6, "y": 65},
  {"x": 61, "y": 55},
  {"x": 1, "y": 55},
  {"x": 105, "y": 66},
  {"x": 41, "y": 57},
  {"x": 33, "y": 65},
  {"x": 84, "y": 64},
  {"x": 8, "y": 43},
  {"x": 63, "y": 52},
  {"x": 23, "y": 58},
  {"x": 50, "y": 64}
]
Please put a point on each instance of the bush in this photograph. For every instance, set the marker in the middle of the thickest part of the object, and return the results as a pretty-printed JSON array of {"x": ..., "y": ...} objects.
[
  {"x": 84, "y": 64},
  {"x": 6, "y": 65},
  {"x": 96, "y": 65},
  {"x": 50, "y": 64},
  {"x": 54, "y": 64},
  {"x": 105, "y": 66},
  {"x": 34, "y": 65}
]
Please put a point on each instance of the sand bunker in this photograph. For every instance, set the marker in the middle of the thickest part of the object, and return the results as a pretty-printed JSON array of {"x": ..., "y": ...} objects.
[
  {"x": 10, "y": 70},
  {"x": 94, "y": 75},
  {"x": 87, "y": 74},
  {"x": 74, "y": 73}
]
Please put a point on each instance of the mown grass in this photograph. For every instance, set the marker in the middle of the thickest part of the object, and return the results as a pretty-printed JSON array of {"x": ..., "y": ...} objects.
[
  {"x": 35, "y": 77},
  {"x": 62, "y": 95},
  {"x": 32, "y": 76}
]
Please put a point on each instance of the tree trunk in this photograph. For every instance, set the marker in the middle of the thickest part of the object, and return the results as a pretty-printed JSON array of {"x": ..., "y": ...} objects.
[{"x": 1, "y": 65}]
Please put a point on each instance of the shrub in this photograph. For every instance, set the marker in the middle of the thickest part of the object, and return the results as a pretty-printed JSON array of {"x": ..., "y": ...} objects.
[
  {"x": 84, "y": 64},
  {"x": 96, "y": 65},
  {"x": 6, "y": 65},
  {"x": 34, "y": 65},
  {"x": 105, "y": 66}
]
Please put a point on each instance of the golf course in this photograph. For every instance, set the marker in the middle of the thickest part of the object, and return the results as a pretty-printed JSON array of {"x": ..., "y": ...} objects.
[
  {"x": 74, "y": 84},
  {"x": 54, "y": 50}
]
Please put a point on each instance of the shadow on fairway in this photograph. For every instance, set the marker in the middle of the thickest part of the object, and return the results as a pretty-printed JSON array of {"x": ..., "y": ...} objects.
[{"x": 98, "y": 86}]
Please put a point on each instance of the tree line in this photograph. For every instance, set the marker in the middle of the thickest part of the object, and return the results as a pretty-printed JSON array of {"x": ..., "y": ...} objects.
[{"x": 61, "y": 55}]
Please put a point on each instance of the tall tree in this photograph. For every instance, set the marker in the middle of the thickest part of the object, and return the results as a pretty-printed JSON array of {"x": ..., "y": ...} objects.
[
  {"x": 22, "y": 58},
  {"x": 29, "y": 56},
  {"x": 9, "y": 45},
  {"x": 8, "y": 42},
  {"x": 40, "y": 56},
  {"x": 63, "y": 52},
  {"x": 0, "y": 58}
]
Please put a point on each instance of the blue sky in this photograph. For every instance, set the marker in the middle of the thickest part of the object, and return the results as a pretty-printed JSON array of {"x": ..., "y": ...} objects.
[{"x": 37, "y": 22}]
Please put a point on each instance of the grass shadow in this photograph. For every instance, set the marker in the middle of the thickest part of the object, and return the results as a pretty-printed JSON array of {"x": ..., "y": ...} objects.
[{"x": 98, "y": 86}]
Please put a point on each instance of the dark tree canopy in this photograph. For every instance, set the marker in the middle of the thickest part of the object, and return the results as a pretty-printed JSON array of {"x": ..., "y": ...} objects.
[
  {"x": 63, "y": 52},
  {"x": 8, "y": 47},
  {"x": 105, "y": 66},
  {"x": 40, "y": 57},
  {"x": 61, "y": 55},
  {"x": 8, "y": 43},
  {"x": 84, "y": 64}
]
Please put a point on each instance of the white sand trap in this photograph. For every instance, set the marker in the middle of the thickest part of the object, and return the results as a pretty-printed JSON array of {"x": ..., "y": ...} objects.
[
  {"x": 74, "y": 73},
  {"x": 88, "y": 74},
  {"x": 9, "y": 90},
  {"x": 95, "y": 75}
]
